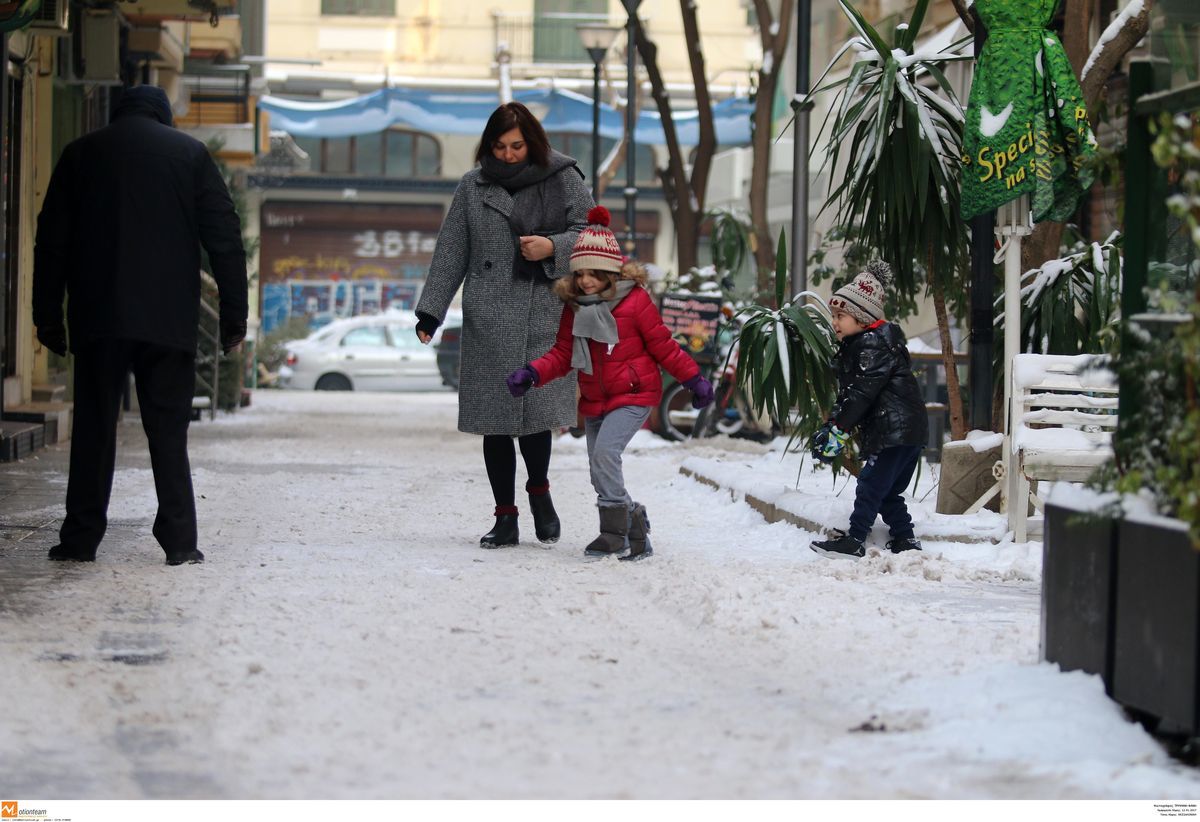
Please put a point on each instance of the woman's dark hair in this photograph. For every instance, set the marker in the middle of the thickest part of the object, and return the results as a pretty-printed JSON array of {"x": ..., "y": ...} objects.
[{"x": 508, "y": 117}]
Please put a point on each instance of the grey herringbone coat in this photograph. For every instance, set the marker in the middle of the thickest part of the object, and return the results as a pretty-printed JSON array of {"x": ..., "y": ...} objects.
[{"x": 507, "y": 322}]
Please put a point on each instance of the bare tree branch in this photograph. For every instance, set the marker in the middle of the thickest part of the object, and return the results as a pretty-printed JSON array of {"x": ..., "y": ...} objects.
[
  {"x": 966, "y": 14},
  {"x": 774, "y": 35},
  {"x": 708, "y": 132},
  {"x": 1077, "y": 25},
  {"x": 686, "y": 197},
  {"x": 1122, "y": 34}
]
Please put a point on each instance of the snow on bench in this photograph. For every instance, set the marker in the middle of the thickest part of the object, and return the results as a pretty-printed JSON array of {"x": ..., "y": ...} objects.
[{"x": 1064, "y": 414}]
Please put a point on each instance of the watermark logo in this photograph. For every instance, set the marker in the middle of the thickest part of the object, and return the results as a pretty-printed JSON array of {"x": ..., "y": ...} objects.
[{"x": 8, "y": 810}]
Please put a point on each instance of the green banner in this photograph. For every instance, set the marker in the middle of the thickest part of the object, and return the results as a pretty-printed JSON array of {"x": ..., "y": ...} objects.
[{"x": 1027, "y": 129}]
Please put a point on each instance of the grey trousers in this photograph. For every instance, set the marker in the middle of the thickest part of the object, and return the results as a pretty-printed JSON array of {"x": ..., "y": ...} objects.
[{"x": 607, "y": 437}]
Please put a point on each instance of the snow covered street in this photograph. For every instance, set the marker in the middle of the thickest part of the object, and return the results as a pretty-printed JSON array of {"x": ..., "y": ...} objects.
[{"x": 348, "y": 638}]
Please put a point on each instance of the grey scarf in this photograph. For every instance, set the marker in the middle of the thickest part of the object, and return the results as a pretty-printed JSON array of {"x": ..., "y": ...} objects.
[
  {"x": 594, "y": 321},
  {"x": 539, "y": 203}
]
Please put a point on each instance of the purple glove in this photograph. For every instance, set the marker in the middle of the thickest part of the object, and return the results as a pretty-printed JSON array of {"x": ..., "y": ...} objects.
[
  {"x": 702, "y": 391},
  {"x": 521, "y": 380}
]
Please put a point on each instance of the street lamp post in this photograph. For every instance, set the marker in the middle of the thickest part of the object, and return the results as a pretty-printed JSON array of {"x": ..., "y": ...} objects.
[{"x": 597, "y": 38}]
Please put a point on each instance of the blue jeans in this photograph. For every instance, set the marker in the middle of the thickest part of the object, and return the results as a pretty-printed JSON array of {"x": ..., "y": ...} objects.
[{"x": 880, "y": 484}]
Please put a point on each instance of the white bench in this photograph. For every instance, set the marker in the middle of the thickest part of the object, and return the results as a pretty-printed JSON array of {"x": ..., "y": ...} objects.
[{"x": 1063, "y": 417}]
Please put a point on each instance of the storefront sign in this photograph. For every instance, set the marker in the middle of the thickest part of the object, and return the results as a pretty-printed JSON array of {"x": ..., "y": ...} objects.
[{"x": 692, "y": 320}]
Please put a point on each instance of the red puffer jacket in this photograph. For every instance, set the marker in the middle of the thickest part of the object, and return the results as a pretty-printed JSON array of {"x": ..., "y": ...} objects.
[{"x": 628, "y": 375}]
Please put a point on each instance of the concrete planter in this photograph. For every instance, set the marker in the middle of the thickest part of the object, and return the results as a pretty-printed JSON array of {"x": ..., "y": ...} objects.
[
  {"x": 1079, "y": 578},
  {"x": 1156, "y": 668}
]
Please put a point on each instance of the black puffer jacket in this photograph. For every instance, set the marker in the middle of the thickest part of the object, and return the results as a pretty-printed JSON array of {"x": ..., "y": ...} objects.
[{"x": 877, "y": 392}]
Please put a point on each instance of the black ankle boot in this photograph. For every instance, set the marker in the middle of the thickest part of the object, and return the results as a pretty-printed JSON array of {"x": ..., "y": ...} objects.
[
  {"x": 505, "y": 531},
  {"x": 545, "y": 518}
]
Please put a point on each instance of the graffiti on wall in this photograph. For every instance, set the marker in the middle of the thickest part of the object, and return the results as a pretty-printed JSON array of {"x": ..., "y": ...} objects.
[{"x": 322, "y": 261}]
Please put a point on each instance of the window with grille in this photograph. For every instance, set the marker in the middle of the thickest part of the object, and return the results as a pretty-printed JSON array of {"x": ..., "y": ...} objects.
[
  {"x": 366, "y": 8},
  {"x": 393, "y": 153},
  {"x": 555, "y": 39}
]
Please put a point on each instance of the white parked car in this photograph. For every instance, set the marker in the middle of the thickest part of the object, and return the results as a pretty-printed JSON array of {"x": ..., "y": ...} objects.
[{"x": 371, "y": 353}]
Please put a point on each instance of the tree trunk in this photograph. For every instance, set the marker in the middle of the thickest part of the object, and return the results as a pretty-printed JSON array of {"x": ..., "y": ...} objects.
[
  {"x": 1077, "y": 24},
  {"x": 774, "y": 34},
  {"x": 685, "y": 196},
  {"x": 958, "y": 425},
  {"x": 764, "y": 249}
]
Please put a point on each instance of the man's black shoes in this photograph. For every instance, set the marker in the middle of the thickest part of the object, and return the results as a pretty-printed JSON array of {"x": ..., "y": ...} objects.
[
  {"x": 191, "y": 556},
  {"x": 66, "y": 553}
]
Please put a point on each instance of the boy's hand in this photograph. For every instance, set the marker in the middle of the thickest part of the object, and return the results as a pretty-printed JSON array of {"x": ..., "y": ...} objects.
[
  {"x": 521, "y": 380},
  {"x": 829, "y": 442}
]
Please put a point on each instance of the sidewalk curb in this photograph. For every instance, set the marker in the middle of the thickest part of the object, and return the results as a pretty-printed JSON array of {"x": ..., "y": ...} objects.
[{"x": 772, "y": 513}]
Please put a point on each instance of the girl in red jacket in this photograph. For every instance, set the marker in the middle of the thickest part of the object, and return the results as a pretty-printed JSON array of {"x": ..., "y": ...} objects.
[{"x": 612, "y": 334}]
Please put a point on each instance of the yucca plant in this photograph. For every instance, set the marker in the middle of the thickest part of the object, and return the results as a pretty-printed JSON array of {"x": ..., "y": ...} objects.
[
  {"x": 785, "y": 356},
  {"x": 895, "y": 127}
]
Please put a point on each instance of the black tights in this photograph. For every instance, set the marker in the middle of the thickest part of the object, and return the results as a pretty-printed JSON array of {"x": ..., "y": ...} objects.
[{"x": 501, "y": 460}]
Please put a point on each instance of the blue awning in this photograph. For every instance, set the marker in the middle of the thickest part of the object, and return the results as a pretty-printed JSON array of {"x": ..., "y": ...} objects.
[{"x": 466, "y": 112}]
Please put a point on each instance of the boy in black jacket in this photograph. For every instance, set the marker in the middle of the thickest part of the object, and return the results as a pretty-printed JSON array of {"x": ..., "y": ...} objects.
[{"x": 878, "y": 394}]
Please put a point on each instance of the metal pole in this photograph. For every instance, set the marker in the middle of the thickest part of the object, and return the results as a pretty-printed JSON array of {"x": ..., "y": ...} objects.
[
  {"x": 4, "y": 205},
  {"x": 800, "y": 151},
  {"x": 595, "y": 126},
  {"x": 631, "y": 7},
  {"x": 1014, "y": 224},
  {"x": 983, "y": 285}
]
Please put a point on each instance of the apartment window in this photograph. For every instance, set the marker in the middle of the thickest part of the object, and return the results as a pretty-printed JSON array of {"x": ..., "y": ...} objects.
[
  {"x": 555, "y": 39},
  {"x": 366, "y": 8},
  {"x": 396, "y": 152}
]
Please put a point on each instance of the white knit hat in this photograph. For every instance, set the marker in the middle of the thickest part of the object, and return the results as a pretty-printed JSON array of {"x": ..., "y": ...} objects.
[
  {"x": 597, "y": 248},
  {"x": 862, "y": 299}
]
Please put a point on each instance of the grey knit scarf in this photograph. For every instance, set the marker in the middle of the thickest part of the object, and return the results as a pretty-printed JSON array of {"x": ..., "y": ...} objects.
[
  {"x": 539, "y": 202},
  {"x": 594, "y": 321}
]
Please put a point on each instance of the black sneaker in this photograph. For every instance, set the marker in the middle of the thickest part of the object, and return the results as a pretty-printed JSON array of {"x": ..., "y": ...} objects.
[
  {"x": 901, "y": 544},
  {"x": 844, "y": 545}
]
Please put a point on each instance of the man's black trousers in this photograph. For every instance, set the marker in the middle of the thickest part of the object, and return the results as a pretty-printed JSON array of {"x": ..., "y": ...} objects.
[{"x": 166, "y": 381}]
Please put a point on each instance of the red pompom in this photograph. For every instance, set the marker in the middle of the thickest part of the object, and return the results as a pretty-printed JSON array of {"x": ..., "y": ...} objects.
[{"x": 599, "y": 216}]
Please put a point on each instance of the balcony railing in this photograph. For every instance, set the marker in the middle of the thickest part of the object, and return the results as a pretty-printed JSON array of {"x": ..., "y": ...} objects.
[{"x": 546, "y": 38}]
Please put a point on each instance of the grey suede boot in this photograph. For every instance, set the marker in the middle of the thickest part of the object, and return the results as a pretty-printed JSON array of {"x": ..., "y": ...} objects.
[
  {"x": 614, "y": 532},
  {"x": 639, "y": 534}
]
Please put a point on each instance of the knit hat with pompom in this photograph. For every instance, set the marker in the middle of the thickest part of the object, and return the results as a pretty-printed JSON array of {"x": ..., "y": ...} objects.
[
  {"x": 597, "y": 247},
  {"x": 862, "y": 299}
]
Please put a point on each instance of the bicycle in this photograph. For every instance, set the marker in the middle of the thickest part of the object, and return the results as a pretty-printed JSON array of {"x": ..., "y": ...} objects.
[{"x": 729, "y": 414}]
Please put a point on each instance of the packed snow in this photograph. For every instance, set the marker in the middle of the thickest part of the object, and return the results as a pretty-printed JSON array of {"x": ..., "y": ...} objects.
[{"x": 348, "y": 638}]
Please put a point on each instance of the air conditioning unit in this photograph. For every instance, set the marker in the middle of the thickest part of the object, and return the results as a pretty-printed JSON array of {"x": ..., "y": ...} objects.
[
  {"x": 101, "y": 52},
  {"x": 52, "y": 18}
]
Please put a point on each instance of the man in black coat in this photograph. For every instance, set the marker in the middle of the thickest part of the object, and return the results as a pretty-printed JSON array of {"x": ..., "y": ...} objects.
[{"x": 126, "y": 212}]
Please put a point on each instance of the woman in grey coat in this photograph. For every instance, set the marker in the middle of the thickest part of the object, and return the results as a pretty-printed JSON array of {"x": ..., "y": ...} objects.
[{"x": 507, "y": 237}]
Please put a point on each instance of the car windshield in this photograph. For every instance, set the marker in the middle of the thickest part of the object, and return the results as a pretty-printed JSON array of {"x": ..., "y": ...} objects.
[{"x": 365, "y": 335}]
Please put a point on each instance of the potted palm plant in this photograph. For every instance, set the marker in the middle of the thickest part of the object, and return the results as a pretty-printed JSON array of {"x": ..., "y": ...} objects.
[
  {"x": 895, "y": 127},
  {"x": 785, "y": 355}
]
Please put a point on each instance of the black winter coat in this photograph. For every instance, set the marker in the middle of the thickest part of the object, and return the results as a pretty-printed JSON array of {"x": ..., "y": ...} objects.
[
  {"x": 877, "y": 392},
  {"x": 125, "y": 214}
]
